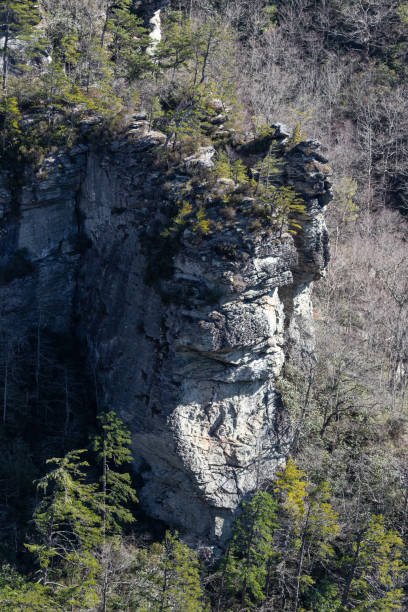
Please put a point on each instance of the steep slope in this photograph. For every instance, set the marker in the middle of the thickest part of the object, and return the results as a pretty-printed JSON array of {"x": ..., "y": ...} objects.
[{"x": 184, "y": 338}]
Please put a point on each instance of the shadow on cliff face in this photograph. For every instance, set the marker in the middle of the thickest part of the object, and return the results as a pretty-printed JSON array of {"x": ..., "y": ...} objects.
[
  {"x": 18, "y": 265},
  {"x": 47, "y": 410}
]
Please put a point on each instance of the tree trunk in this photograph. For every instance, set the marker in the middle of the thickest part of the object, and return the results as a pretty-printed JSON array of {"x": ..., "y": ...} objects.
[
  {"x": 206, "y": 55},
  {"x": 105, "y": 25},
  {"x": 105, "y": 486},
  {"x": 248, "y": 558},
  {"x": 6, "y": 366},
  {"x": 38, "y": 364},
  {"x": 105, "y": 586},
  {"x": 164, "y": 589},
  {"x": 221, "y": 589},
  {"x": 300, "y": 562},
  {"x": 350, "y": 577},
  {"x": 5, "y": 50},
  {"x": 305, "y": 406},
  {"x": 67, "y": 405},
  {"x": 5, "y": 76}
]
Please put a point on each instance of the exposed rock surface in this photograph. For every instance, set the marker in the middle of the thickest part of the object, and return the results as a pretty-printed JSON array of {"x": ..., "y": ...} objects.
[
  {"x": 148, "y": 8},
  {"x": 201, "y": 159},
  {"x": 184, "y": 342}
]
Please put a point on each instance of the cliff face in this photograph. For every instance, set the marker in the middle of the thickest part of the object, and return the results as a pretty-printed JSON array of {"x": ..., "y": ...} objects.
[{"x": 184, "y": 340}]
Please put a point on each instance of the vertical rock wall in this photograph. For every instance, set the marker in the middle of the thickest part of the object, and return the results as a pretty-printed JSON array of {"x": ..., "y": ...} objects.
[
  {"x": 189, "y": 359},
  {"x": 184, "y": 343}
]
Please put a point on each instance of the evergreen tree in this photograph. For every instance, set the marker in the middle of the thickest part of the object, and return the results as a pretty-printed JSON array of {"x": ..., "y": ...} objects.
[
  {"x": 16, "y": 594},
  {"x": 167, "y": 578},
  {"x": 69, "y": 531},
  {"x": 236, "y": 170},
  {"x": 179, "y": 577},
  {"x": 129, "y": 41},
  {"x": 17, "y": 20},
  {"x": 175, "y": 49},
  {"x": 307, "y": 525},
  {"x": 319, "y": 529},
  {"x": 375, "y": 571},
  {"x": 184, "y": 118},
  {"x": 203, "y": 40},
  {"x": 178, "y": 222},
  {"x": 251, "y": 554},
  {"x": 280, "y": 205},
  {"x": 222, "y": 167},
  {"x": 11, "y": 124},
  {"x": 113, "y": 453},
  {"x": 290, "y": 489},
  {"x": 288, "y": 207},
  {"x": 297, "y": 133},
  {"x": 79, "y": 77},
  {"x": 282, "y": 208},
  {"x": 109, "y": 7},
  {"x": 202, "y": 225},
  {"x": 270, "y": 167}
]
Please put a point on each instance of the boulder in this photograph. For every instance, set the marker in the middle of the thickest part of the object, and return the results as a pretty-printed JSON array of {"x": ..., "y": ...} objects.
[{"x": 202, "y": 159}]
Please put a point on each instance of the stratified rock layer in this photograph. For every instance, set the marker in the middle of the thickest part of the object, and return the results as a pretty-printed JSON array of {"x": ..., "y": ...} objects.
[{"x": 184, "y": 341}]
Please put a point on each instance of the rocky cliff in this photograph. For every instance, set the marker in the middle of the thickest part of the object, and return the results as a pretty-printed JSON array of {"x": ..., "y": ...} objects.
[{"x": 183, "y": 337}]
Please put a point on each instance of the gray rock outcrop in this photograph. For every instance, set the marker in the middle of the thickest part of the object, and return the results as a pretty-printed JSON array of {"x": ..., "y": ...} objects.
[{"x": 183, "y": 339}]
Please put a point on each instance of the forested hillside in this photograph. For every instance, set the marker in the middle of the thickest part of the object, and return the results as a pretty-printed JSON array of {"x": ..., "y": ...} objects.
[{"x": 232, "y": 94}]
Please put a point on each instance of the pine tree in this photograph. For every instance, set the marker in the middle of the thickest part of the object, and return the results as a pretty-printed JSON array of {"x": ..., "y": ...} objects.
[
  {"x": 320, "y": 527},
  {"x": 282, "y": 208},
  {"x": 251, "y": 554},
  {"x": 109, "y": 7},
  {"x": 203, "y": 40},
  {"x": 69, "y": 531},
  {"x": 375, "y": 571},
  {"x": 185, "y": 210},
  {"x": 11, "y": 129},
  {"x": 17, "y": 594},
  {"x": 175, "y": 49},
  {"x": 280, "y": 205},
  {"x": 287, "y": 208},
  {"x": 112, "y": 451},
  {"x": 79, "y": 78},
  {"x": 290, "y": 489},
  {"x": 129, "y": 41},
  {"x": 239, "y": 172},
  {"x": 17, "y": 19},
  {"x": 222, "y": 167},
  {"x": 307, "y": 525},
  {"x": 236, "y": 170},
  {"x": 180, "y": 577},
  {"x": 297, "y": 133},
  {"x": 55, "y": 85},
  {"x": 184, "y": 119},
  {"x": 297, "y": 136},
  {"x": 167, "y": 578},
  {"x": 202, "y": 225},
  {"x": 270, "y": 167}
]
